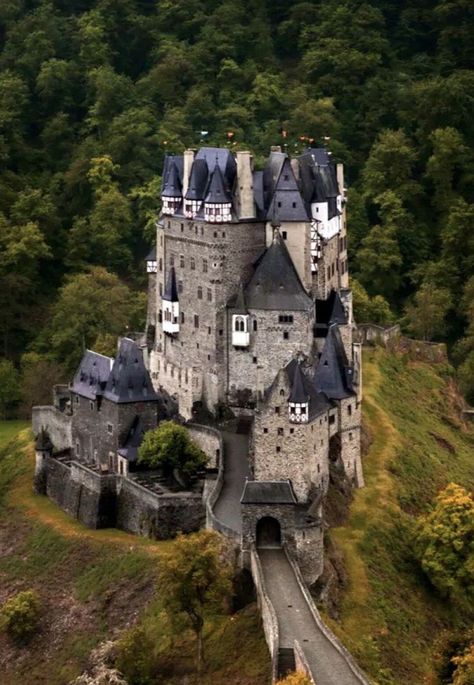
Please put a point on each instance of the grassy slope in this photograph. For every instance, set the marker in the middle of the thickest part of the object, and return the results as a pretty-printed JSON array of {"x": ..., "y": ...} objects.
[
  {"x": 93, "y": 584},
  {"x": 390, "y": 618}
]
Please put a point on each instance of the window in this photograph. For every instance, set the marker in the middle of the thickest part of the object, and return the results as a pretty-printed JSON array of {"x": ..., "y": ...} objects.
[
  {"x": 277, "y": 410},
  {"x": 284, "y": 235},
  {"x": 350, "y": 436},
  {"x": 286, "y": 335},
  {"x": 199, "y": 293},
  {"x": 161, "y": 264},
  {"x": 282, "y": 393},
  {"x": 254, "y": 360},
  {"x": 209, "y": 330},
  {"x": 278, "y": 449},
  {"x": 285, "y": 318},
  {"x": 280, "y": 431},
  {"x": 196, "y": 321},
  {"x": 319, "y": 469},
  {"x": 223, "y": 234},
  {"x": 204, "y": 266},
  {"x": 180, "y": 286},
  {"x": 221, "y": 331},
  {"x": 161, "y": 289},
  {"x": 286, "y": 177},
  {"x": 255, "y": 324},
  {"x": 294, "y": 205},
  {"x": 215, "y": 234},
  {"x": 239, "y": 324},
  {"x": 209, "y": 295},
  {"x": 110, "y": 428},
  {"x": 182, "y": 317},
  {"x": 193, "y": 263},
  {"x": 265, "y": 430},
  {"x": 91, "y": 406},
  {"x": 349, "y": 409},
  {"x": 77, "y": 399},
  {"x": 279, "y": 204},
  {"x": 292, "y": 430},
  {"x": 332, "y": 420},
  {"x": 182, "y": 228},
  {"x": 329, "y": 272}
]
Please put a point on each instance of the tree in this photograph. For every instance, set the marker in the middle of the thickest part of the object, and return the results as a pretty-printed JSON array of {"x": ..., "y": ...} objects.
[
  {"x": 369, "y": 309},
  {"x": 427, "y": 313},
  {"x": 170, "y": 447},
  {"x": 445, "y": 544},
  {"x": 89, "y": 304},
  {"x": 9, "y": 387},
  {"x": 20, "y": 615},
  {"x": 296, "y": 678},
  {"x": 38, "y": 375},
  {"x": 390, "y": 166},
  {"x": 380, "y": 261},
  {"x": 194, "y": 579}
]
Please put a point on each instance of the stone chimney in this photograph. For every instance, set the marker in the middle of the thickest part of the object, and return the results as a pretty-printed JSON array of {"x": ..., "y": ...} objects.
[
  {"x": 296, "y": 167},
  {"x": 340, "y": 178},
  {"x": 244, "y": 190},
  {"x": 188, "y": 162}
]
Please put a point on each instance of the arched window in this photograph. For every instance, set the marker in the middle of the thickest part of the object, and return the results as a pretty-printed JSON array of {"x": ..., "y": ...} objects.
[{"x": 239, "y": 324}]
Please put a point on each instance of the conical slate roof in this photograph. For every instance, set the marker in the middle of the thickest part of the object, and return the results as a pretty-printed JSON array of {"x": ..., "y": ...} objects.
[
  {"x": 129, "y": 380},
  {"x": 171, "y": 290},
  {"x": 134, "y": 439},
  {"x": 331, "y": 310},
  {"x": 217, "y": 192},
  {"x": 333, "y": 374},
  {"x": 151, "y": 256},
  {"x": 287, "y": 203},
  {"x": 197, "y": 180},
  {"x": 172, "y": 184},
  {"x": 275, "y": 283},
  {"x": 298, "y": 394}
]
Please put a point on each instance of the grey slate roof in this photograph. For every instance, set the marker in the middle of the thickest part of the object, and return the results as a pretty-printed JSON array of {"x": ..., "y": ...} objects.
[
  {"x": 298, "y": 393},
  {"x": 331, "y": 310},
  {"x": 217, "y": 192},
  {"x": 197, "y": 180},
  {"x": 172, "y": 186},
  {"x": 171, "y": 291},
  {"x": 129, "y": 380},
  {"x": 239, "y": 306},
  {"x": 333, "y": 374},
  {"x": 303, "y": 377},
  {"x": 177, "y": 161},
  {"x": 287, "y": 203},
  {"x": 129, "y": 450},
  {"x": 275, "y": 283},
  {"x": 151, "y": 256},
  {"x": 268, "y": 492},
  {"x": 92, "y": 375}
]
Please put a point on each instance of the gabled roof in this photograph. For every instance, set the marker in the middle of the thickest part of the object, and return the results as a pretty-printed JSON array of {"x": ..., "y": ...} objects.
[
  {"x": 129, "y": 449},
  {"x": 92, "y": 375},
  {"x": 333, "y": 374},
  {"x": 172, "y": 183},
  {"x": 287, "y": 203},
  {"x": 129, "y": 380},
  {"x": 217, "y": 192},
  {"x": 268, "y": 492},
  {"x": 171, "y": 291},
  {"x": 275, "y": 283}
]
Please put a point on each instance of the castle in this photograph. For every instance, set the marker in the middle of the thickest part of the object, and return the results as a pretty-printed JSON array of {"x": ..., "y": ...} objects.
[{"x": 249, "y": 310}]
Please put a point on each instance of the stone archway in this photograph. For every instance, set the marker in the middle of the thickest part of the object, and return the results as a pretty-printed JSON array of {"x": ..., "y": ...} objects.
[{"x": 268, "y": 533}]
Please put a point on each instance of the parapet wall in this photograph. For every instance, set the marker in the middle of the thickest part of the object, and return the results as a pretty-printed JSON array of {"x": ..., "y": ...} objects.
[
  {"x": 156, "y": 516},
  {"x": 209, "y": 440},
  {"x": 269, "y": 617},
  {"x": 57, "y": 423}
]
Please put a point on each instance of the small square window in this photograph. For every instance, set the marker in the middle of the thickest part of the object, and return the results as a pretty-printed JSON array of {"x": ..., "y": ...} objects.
[
  {"x": 284, "y": 235},
  {"x": 110, "y": 428},
  {"x": 280, "y": 431},
  {"x": 292, "y": 430},
  {"x": 332, "y": 420},
  {"x": 277, "y": 410},
  {"x": 286, "y": 335},
  {"x": 278, "y": 449},
  {"x": 349, "y": 409},
  {"x": 265, "y": 430},
  {"x": 254, "y": 360}
]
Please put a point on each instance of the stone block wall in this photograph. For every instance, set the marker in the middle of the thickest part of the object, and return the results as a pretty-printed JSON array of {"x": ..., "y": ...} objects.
[
  {"x": 209, "y": 440},
  {"x": 57, "y": 423},
  {"x": 157, "y": 516}
]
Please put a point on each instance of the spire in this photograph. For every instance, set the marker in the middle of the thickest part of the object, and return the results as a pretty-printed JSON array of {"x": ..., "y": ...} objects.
[
  {"x": 172, "y": 184},
  {"x": 286, "y": 203},
  {"x": 216, "y": 192},
  {"x": 298, "y": 394},
  {"x": 171, "y": 290},
  {"x": 333, "y": 374}
]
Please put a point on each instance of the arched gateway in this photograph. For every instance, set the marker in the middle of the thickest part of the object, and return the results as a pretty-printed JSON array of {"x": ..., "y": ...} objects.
[{"x": 268, "y": 533}]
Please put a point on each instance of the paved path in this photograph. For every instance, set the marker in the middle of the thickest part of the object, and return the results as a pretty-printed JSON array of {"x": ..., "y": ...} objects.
[
  {"x": 296, "y": 622},
  {"x": 227, "y": 507}
]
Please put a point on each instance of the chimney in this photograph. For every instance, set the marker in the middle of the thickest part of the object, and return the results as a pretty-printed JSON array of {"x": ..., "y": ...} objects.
[
  {"x": 296, "y": 167},
  {"x": 340, "y": 178},
  {"x": 275, "y": 148},
  {"x": 188, "y": 162},
  {"x": 244, "y": 191}
]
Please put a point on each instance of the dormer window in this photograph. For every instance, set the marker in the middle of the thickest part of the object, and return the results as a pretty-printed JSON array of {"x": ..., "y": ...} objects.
[
  {"x": 170, "y": 205},
  {"x": 191, "y": 208},
  {"x": 298, "y": 412}
]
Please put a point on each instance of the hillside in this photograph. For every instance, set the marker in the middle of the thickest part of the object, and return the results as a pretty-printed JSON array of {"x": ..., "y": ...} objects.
[
  {"x": 93, "y": 584},
  {"x": 391, "y": 618}
]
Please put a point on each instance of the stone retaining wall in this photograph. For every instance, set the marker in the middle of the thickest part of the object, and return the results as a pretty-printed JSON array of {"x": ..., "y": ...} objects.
[
  {"x": 269, "y": 617},
  {"x": 371, "y": 333},
  {"x": 209, "y": 440},
  {"x": 57, "y": 423}
]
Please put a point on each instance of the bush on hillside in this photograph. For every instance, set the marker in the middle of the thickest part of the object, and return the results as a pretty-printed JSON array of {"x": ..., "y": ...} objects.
[
  {"x": 20, "y": 615},
  {"x": 464, "y": 674},
  {"x": 445, "y": 544},
  {"x": 296, "y": 678},
  {"x": 170, "y": 447}
]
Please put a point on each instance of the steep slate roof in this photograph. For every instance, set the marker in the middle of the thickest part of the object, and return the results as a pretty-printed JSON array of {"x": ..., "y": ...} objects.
[
  {"x": 333, "y": 374},
  {"x": 129, "y": 450},
  {"x": 217, "y": 192},
  {"x": 151, "y": 256},
  {"x": 177, "y": 162},
  {"x": 275, "y": 283},
  {"x": 287, "y": 203},
  {"x": 331, "y": 310},
  {"x": 129, "y": 380},
  {"x": 302, "y": 385},
  {"x": 92, "y": 375},
  {"x": 171, "y": 290},
  {"x": 172, "y": 186},
  {"x": 268, "y": 492},
  {"x": 197, "y": 180},
  {"x": 318, "y": 178},
  {"x": 238, "y": 306}
]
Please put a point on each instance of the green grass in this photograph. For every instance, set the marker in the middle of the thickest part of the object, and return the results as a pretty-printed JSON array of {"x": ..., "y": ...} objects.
[{"x": 390, "y": 617}]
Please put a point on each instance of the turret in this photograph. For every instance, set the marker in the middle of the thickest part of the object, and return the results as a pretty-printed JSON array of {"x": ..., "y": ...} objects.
[
  {"x": 171, "y": 195},
  {"x": 151, "y": 262},
  {"x": 298, "y": 402},
  {"x": 170, "y": 305},
  {"x": 218, "y": 203},
  {"x": 43, "y": 449}
]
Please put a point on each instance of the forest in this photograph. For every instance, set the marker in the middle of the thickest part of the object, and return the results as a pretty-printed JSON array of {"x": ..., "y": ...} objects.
[{"x": 94, "y": 93}]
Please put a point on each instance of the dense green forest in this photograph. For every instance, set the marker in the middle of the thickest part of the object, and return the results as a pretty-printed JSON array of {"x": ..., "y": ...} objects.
[{"x": 94, "y": 93}]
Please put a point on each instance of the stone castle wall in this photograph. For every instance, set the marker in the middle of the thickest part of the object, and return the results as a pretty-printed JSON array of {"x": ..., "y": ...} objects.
[
  {"x": 209, "y": 440},
  {"x": 57, "y": 423}
]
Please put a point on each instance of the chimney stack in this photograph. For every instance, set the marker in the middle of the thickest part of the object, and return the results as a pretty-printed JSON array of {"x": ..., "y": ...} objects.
[
  {"x": 188, "y": 162},
  {"x": 244, "y": 193}
]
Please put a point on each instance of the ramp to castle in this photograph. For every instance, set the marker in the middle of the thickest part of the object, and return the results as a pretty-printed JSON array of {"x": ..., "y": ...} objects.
[
  {"x": 296, "y": 621},
  {"x": 236, "y": 469}
]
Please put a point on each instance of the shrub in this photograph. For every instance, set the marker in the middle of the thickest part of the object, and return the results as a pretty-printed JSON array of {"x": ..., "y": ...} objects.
[
  {"x": 296, "y": 678},
  {"x": 20, "y": 615}
]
